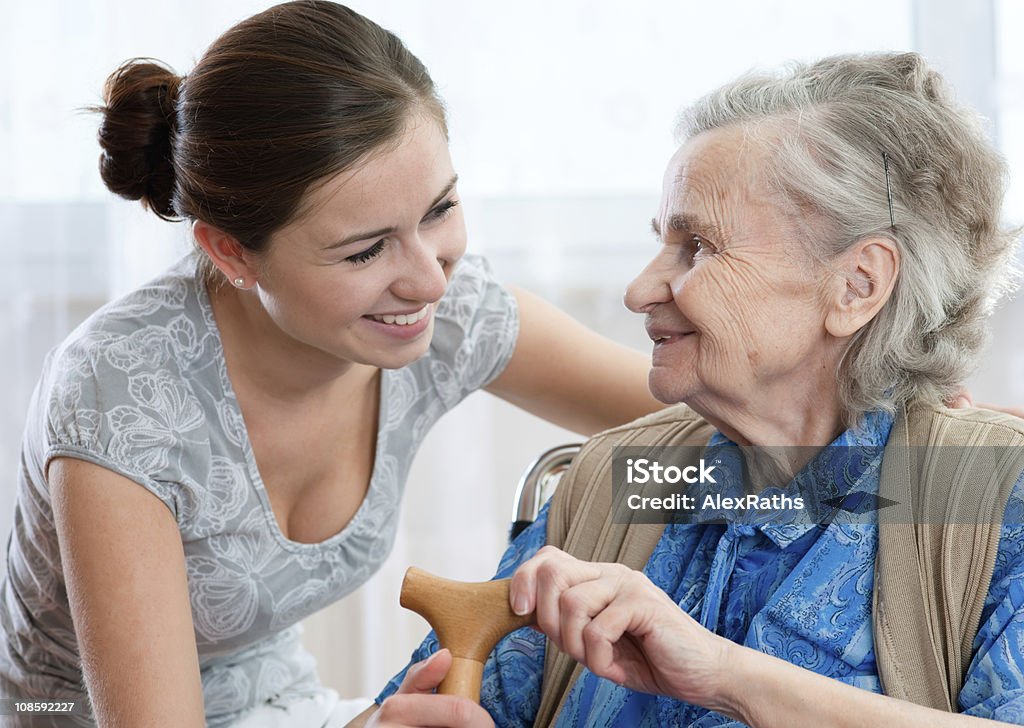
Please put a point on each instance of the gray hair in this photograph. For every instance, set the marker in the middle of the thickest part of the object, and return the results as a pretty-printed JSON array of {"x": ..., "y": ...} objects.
[{"x": 825, "y": 127}]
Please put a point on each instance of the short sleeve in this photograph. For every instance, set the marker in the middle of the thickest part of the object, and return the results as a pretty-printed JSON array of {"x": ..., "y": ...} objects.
[
  {"x": 118, "y": 401},
  {"x": 994, "y": 685},
  {"x": 475, "y": 331}
]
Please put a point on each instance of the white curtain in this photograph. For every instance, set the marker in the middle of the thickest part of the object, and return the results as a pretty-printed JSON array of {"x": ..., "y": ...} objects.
[{"x": 561, "y": 119}]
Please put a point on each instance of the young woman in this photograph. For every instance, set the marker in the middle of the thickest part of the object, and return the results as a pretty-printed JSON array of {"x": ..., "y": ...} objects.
[{"x": 268, "y": 392}]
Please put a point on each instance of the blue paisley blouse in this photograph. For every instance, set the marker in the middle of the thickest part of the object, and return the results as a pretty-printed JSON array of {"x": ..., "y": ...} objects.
[{"x": 798, "y": 591}]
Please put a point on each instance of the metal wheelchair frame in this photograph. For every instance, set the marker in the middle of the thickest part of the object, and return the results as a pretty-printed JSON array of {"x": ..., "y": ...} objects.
[{"x": 538, "y": 484}]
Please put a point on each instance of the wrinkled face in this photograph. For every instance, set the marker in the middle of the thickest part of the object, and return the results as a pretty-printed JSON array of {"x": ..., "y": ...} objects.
[
  {"x": 358, "y": 275},
  {"x": 734, "y": 306}
]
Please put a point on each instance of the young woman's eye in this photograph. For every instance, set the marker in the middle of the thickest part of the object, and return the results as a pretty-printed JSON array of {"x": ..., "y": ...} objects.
[
  {"x": 443, "y": 210},
  {"x": 369, "y": 254}
]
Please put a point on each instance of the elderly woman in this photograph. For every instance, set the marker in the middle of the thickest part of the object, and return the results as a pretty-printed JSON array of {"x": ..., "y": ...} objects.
[{"x": 829, "y": 251}]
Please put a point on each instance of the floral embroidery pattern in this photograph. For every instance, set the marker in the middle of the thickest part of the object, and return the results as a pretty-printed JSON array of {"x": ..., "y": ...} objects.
[{"x": 142, "y": 389}]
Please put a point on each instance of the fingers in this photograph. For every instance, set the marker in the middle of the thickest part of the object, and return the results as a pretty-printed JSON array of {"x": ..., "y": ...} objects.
[
  {"x": 961, "y": 399},
  {"x": 552, "y": 579},
  {"x": 577, "y": 609},
  {"x": 617, "y": 623},
  {"x": 415, "y": 703},
  {"x": 522, "y": 590},
  {"x": 424, "y": 677},
  {"x": 538, "y": 584},
  {"x": 599, "y": 638},
  {"x": 431, "y": 710},
  {"x": 580, "y": 605},
  {"x": 1015, "y": 411}
]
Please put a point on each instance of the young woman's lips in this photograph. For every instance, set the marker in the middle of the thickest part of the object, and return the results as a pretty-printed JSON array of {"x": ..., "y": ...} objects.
[{"x": 402, "y": 326}]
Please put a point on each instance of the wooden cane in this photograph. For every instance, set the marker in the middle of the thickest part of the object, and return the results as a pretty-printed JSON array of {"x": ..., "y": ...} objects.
[{"x": 468, "y": 618}]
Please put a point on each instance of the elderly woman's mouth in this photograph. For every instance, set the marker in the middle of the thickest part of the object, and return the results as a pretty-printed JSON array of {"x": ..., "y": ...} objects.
[
  {"x": 669, "y": 338},
  {"x": 666, "y": 348}
]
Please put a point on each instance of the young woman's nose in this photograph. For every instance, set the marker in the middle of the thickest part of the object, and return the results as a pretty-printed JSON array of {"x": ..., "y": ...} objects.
[
  {"x": 424, "y": 273},
  {"x": 649, "y": 288}
]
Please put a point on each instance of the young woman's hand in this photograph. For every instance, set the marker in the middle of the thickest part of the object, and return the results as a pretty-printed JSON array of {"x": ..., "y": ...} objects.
[
  {"x": 622, "y": 627},
  {"x": 963, "y": 399},
  {"x": 416, "y": 704}
]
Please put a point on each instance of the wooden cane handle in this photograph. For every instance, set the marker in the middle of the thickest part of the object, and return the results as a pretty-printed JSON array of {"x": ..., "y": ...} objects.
[
  {"x": 464, "y": 679},
  {"x": 468, "y": 618}
]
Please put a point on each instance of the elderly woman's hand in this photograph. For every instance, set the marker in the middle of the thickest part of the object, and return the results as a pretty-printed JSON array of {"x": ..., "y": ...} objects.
[{"x": 622, "y": 627}]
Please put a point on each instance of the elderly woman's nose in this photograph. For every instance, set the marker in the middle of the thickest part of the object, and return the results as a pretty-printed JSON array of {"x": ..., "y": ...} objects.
[{"x": 647, "y": 289}]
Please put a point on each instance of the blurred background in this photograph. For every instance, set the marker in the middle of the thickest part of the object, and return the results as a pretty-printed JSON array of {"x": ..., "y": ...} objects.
[{"x": 561, "y": 116}]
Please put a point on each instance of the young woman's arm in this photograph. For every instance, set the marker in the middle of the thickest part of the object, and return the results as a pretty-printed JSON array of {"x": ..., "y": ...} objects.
[
  {"x": 125, "y": 571},
  {"x": 569, "y": 375}
]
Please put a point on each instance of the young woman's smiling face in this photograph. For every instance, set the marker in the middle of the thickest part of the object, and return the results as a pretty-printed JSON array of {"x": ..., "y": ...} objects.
[{"x": 359, "y": 273}]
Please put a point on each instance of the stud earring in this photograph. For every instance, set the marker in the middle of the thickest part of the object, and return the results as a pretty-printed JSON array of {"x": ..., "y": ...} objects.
[{"x": 239, "y": 282}]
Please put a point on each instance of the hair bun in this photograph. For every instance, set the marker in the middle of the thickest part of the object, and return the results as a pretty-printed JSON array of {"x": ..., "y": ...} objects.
[{"x": 135, "y": 134}]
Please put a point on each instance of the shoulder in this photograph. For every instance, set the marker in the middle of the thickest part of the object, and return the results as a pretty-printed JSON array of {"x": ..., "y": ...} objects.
[
  {"x": 967, "y": 464},
  {"x": 934, "y": 424},
  {"x": 116, "y": 388},
  {"x": 585, "y": 492},
  {"x": 472, "y": 274},
  {"x": 473, "y": 293},
  {"x": 675, "y": 425},
  {"x": 475, "y": 330},
  {"x": 159, "y": 318},
  {"x": 153, "y": 323}
]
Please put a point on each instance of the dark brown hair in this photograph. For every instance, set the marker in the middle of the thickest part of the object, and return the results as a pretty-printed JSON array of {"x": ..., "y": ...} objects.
[{"x": 280, "y": 102}]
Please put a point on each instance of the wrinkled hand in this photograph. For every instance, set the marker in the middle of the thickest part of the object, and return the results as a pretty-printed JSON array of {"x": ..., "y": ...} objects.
[
  {"x": 622, "y": 627},
  {"x": 416, "y": 704}
]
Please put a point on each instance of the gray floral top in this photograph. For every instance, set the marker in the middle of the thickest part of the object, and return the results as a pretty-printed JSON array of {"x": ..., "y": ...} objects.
[{"x": 141, "y": 388}]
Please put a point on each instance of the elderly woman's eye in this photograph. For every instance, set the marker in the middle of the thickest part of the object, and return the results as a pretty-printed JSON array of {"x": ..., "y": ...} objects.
[{"x": 700, "y": 245}]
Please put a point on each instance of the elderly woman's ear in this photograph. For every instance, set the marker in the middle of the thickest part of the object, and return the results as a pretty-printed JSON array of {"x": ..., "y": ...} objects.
[{"x": 863, "y": 279}]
